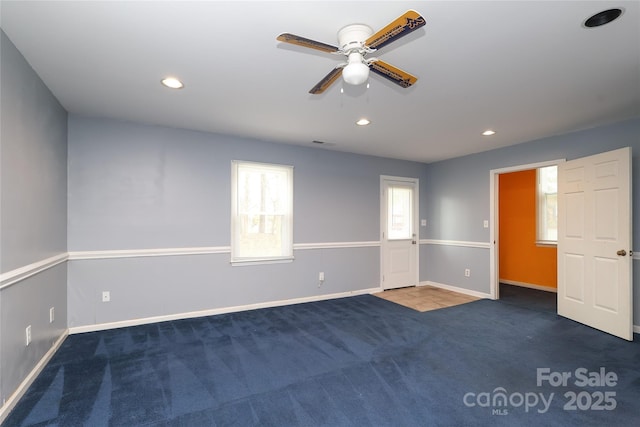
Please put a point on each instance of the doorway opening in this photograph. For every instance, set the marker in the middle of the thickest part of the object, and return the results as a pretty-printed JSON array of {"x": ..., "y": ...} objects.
[{"x": 536, "y": 246}]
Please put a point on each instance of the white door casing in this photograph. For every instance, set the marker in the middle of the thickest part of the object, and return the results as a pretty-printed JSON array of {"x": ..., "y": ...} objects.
[
  {"x": 494, "y": 218},
  {"x": 398, "y": 232},
  {"x": 594, "y": 242}
]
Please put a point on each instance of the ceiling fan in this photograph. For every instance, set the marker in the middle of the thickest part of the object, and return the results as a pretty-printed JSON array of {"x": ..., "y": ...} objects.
[{"x": 358, "y": 40}]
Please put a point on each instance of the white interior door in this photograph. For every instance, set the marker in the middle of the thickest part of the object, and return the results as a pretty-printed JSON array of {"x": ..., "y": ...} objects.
[
  {"x": 399, "y": 248},
  {"x": 594, "y": 242}
]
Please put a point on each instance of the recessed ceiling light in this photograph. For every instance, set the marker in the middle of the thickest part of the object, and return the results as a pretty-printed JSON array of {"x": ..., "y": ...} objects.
[
  {"x": 363, "y": 122},
  {"x": 489, "y": 132},
  {"x": 602, "y": 18},
  {"x": 172, "y": 82}
]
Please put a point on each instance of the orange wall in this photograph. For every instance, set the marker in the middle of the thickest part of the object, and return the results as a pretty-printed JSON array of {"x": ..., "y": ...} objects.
[{"x": 520, "y": 259}]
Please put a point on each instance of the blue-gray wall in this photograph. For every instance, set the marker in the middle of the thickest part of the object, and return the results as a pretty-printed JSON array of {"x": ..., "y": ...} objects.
[
  {"x": 134, "y": 186},
  {"x": 456, "y": 196},
  {"x": 33, "y": 215}
]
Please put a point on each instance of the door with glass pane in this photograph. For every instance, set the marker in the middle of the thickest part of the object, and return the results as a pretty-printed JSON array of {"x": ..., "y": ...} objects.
[{"x": 399, "y": 240}]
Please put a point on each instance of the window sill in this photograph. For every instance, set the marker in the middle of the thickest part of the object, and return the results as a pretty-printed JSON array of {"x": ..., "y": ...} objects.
[{"x": 260, "y": 261}]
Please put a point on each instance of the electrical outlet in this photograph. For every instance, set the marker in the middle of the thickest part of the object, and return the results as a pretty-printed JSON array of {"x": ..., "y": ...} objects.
[
  {"x": 485, "y": 224},
  {"x": 28, "y": 335},
  {"x": 321, "y": 276},
  {"x": 467, "y": 272},
  {"x": 52, "y": 314},
  {"x": 106, "y": 296}
]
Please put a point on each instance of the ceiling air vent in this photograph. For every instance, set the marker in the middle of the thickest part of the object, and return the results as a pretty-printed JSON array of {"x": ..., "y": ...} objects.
[
  {"x": 329, "y": 144},
  {"x": 602, "y": 18}
]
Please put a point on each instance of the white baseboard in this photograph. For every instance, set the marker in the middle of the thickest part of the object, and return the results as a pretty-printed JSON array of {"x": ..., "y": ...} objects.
[
  {"x": 11, "y": 402},
  {"x": 214, "y": 311},
  {"x": 456, "y": 289},
  {"x": 529, "y": 285}
]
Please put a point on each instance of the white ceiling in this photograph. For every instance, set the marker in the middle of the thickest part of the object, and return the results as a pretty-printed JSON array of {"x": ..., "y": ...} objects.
[{"x": 526, "y": 69}]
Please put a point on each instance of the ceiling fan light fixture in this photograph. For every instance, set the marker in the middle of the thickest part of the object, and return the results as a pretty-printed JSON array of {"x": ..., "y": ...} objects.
[{"x": 356, "y": 72}]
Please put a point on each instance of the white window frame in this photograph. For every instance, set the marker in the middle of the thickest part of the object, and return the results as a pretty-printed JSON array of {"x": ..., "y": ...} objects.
[
  {"x": 541, "y": 233},
  {"x": 287, "y": 222}
]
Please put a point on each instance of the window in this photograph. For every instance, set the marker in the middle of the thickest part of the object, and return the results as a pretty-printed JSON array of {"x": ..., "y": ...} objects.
[
  {"x": 261, "y": 212},
  {"x": 399, "y": 215},
  {"x": 547, "y": 200}
]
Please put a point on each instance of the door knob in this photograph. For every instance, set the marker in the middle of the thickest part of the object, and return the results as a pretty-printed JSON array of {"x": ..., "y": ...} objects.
[{"x": 622, "y": 252}]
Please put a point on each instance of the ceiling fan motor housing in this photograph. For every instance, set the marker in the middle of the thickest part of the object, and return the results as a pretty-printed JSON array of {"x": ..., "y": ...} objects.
[{"x": 353, "y": 36}]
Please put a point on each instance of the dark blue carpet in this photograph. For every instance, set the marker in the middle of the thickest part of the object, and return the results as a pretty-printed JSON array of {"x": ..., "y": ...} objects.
[
  {"x": 532, "y": 299},
  {"x": 359, "y": 361}
]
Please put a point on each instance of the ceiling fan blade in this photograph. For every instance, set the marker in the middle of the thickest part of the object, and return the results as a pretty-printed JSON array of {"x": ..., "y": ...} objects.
[
  {"x": 327, "y": 81},
  {"x": 301, "y": 41},
  {"x": 400, "y": 27},
  {"x": 396, "y": 75}
]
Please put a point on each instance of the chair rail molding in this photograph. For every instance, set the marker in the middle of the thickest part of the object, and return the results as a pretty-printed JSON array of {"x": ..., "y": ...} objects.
[{"x": 14, "y": 276}]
